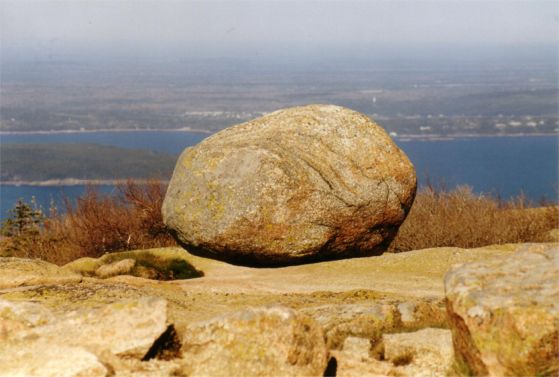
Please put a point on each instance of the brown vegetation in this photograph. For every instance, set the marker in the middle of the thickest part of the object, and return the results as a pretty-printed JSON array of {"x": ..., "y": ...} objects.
[
  {"x": 460, "y": 218},
  {"x": 97, "y": 224}
]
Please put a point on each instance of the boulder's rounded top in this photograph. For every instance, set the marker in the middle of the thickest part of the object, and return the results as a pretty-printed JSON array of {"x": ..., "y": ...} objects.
[
  {"x": 300, "y": 118},
  {"x": 318, "y": 109}
]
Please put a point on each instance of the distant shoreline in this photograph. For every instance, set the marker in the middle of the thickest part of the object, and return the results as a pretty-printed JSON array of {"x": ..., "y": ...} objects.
[
  {"x": 401, "y": 137},
  {"x": 434, "y": 137},
  {"x": 75, "y": 182},
  {"x": 54, "y": 132}
]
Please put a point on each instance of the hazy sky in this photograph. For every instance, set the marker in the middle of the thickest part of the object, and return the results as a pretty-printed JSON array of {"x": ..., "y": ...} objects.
[{"x": 62, "y": 25}]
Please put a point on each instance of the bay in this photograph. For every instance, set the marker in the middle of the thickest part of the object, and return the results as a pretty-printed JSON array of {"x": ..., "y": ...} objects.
[
  {"x": 45, "y": 197},
  {"x": 504, "y": 166}
]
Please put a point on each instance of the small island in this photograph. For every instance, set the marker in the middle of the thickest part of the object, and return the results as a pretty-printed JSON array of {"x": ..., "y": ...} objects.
[{"x": 73, "y": 163}]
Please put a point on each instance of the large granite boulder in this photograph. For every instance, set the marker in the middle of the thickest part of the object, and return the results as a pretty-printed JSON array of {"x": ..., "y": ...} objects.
[
  {"x": 305, "y": 183},
  {"x": 504, "y": 313}
]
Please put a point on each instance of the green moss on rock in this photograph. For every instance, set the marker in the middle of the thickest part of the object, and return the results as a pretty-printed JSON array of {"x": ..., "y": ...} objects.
[{"x": 150, "y": 264}]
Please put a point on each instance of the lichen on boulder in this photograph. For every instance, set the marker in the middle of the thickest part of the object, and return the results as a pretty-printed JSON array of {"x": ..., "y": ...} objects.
[{"x": 305, "y": 183}]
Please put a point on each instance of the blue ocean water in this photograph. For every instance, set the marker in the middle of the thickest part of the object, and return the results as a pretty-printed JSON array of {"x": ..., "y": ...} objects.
[
  {"x": 504, "y": 166},
  {"x": 45, "y": 196}
]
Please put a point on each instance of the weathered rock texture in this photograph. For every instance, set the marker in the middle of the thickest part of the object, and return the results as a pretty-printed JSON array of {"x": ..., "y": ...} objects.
[
  {"x": 371, "y": 320},
  {"x": 127, "y": 327},
  {"x": 427, "y": 352},
  {"x": 35, "y": 341},
  {"x": 110, "y": 326},
  {"x": 122, "y": 267},
  {"x": 304, "y": 183},
  {"x": 504, "y": 313},
  {"x": 43, "y": 359},
  {"x": 17, "y": 272},
  {"x": 256, "y": 342}
]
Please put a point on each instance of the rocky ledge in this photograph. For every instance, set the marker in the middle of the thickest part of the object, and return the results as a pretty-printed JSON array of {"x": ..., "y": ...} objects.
[
  {"x": 505, "y": 313},
  {"x": 381, "y": 315}
]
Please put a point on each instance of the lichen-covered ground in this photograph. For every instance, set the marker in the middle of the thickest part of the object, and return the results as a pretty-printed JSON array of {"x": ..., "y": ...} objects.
[
  {"x": 361, "y": 302},
  {"x": 415, "y": 276}
]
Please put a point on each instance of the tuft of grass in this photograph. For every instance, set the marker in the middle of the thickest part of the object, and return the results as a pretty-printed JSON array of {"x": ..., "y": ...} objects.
[{"x": 460, "y": 218}]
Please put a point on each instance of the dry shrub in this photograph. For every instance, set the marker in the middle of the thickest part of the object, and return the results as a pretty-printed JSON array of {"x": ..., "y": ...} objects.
[
  {"x": 130, "y": 220},
  {"x": 98, "y": 224},
  {"x": 460, "y": 218}
]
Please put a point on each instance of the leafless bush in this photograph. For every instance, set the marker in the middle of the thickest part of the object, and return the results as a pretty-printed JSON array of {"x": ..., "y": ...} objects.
[
  {"x": 97, "y": 224},
  {"x": 461, "y": 218}
]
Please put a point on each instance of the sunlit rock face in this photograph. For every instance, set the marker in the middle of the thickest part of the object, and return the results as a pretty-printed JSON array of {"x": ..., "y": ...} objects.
[
  {"x": 256, "y": 342},
  {"x": 304, "y": 183},
  {"x": 504, "y": 313}
]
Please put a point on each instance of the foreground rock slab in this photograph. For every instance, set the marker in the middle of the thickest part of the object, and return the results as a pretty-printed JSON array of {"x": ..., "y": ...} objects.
[
  {"x": 16, "y": 316},
  {"x": 124, "y": 328},
  {"x": 43, "y": 359},
  {"x": 256, "y": 342},
  {"x": 413, "y": 281},
  {"x": 305, "y": 183},
  {"x": 359, "y": 305},
  {"x": 372, "y": 320},
  {"x": 123, "y": 337},
  {"x": 504, "y": 313},
  {"x": 418, "y": 273},
  {"x": 427, "y": 352}
]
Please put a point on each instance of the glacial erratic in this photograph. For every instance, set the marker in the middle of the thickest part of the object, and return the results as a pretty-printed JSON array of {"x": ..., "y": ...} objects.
[{"x": 301, "y": 184}]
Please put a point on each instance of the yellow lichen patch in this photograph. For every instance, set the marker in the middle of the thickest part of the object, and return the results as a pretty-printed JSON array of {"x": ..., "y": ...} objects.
[{"x": 150, "y": 264}]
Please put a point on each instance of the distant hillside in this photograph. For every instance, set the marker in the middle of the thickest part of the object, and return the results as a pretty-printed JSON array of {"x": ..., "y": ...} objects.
[{"x": 42, "y": 162}]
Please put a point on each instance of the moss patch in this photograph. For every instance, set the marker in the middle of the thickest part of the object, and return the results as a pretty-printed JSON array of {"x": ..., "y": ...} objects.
[{"x": 150, "y": 264}]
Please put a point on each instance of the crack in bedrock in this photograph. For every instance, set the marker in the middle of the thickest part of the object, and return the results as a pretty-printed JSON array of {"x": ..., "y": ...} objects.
[{"x": 328, "y": 183}]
